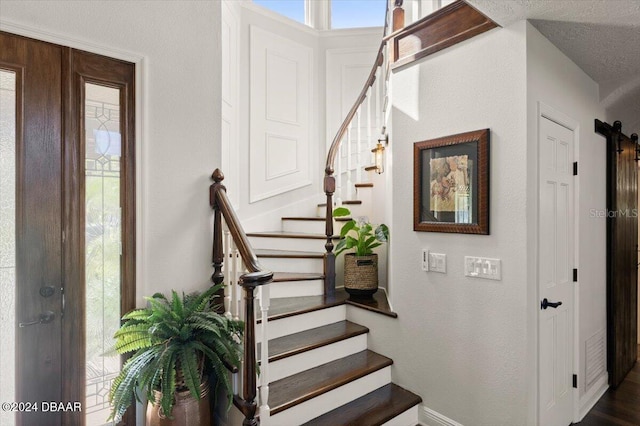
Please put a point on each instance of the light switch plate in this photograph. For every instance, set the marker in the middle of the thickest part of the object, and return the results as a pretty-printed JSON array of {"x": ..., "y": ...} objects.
[
  {"x": 438, "y": 262},
  {"x": 483, "y": 267}
]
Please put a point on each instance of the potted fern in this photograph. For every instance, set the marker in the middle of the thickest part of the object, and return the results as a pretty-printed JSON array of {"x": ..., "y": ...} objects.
[
  {"x": 361, "y": 266},
  {"x": 175, "y": 345}
]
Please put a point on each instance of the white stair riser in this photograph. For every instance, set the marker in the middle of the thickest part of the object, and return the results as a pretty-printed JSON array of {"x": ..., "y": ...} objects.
[
  {"x": 287, "y": 264},
  {"x": 406, "y": 418},
  {"x": 355, "y": 209},
  {"x": 310, "y": 359},
  {"x": 297, "y": 288},
  {"x": 328, "y": 401},
  {"x": 298, "y": 323},
  {"x": 300, "y": 244},
  {"x": 365, "y": 195},
  {"x": 309, "y": 226}
]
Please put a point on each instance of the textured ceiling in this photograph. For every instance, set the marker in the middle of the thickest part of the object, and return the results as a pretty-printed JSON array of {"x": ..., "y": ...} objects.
[{"x": 601, "y": 36}]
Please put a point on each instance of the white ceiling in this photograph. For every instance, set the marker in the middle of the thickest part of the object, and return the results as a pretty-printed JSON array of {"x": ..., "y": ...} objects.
[{"x": 601, "y": 36}]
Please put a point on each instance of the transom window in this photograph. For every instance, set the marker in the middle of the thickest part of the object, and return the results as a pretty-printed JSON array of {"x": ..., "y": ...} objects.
[
  {"x": 292, "y": 9},
  {"x": 337, "y": 13}
]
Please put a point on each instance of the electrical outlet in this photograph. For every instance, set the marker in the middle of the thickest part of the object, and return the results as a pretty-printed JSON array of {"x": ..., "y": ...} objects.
[{"x": 424, "y": 260}]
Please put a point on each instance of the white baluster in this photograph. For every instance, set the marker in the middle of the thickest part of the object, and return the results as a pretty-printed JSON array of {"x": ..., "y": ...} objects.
[
  {"x": 237, "y": 290},
  {"x": 338, "y": 193},
  {"x": 349, "y": 167},
  {"x": 377, "y": 83},
  {"x": 228, "y": 282},
  {"x": 359, "y": 148},
  {"x": 369, "y": 141},
  {"x": 264, "y": 355}
]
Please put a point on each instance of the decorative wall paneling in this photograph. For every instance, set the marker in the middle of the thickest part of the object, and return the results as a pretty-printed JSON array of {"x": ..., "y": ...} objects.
[{"x": 281, "y": 82}]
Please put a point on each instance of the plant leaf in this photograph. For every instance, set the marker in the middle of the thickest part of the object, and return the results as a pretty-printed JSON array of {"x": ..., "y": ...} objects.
[
  {"x": 382, "y": 233},
  {"x": 341, "y": 212},
  {"x": 347, "y": 227}
]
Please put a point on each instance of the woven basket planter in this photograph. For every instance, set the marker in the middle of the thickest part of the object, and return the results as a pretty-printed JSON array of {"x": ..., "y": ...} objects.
[{"x": 361, "y": 274}]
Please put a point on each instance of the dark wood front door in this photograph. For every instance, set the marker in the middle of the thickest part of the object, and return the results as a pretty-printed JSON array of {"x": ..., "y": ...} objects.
[
  {"x": 67, "y": 229},
  {"x": 34, "y": 69}
]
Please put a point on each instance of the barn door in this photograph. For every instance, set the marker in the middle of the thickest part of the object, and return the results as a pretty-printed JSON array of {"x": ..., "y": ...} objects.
[{"x": 622, "y": 252}]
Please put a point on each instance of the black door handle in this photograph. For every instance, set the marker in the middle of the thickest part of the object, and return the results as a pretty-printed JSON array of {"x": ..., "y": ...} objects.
[
  {"x": 44, "y": 318},
  {"x": 546, "y": 304}
]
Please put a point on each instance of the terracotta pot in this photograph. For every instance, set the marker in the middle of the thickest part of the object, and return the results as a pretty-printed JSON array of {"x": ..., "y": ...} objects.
[
  {"x": 361, "y": 274},
  {"x": 187, "y": 410}
]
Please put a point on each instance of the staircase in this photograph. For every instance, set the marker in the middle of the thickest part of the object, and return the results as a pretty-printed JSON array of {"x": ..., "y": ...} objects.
[
  {"x": 320, "y": 369},
  {"x": 315, "y": 367}
]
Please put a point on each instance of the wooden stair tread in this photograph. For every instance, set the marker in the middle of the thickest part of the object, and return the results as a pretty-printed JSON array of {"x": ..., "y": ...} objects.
[
  {"x": 282, "y": 234},
  {"x": 377, "y": 303},
  {"x": 373, "y": 409},
  {"x": 348, "y": 202},
  {"x": 289, "y": 306},
  {"x": 317, "y": 218},
  {"x": 301, "y": 387},
  {"x": 269, "y": 253},
  {"x": 296, "y": 276},
  {"x": 364, "y": 185},
  {"x": 297, "y": 343}
]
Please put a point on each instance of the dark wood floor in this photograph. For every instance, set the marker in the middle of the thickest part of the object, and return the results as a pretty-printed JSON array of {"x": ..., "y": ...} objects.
[{"x": 620, "y": 407}]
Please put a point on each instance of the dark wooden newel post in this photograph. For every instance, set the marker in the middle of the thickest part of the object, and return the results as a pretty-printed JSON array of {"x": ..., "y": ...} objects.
[
  {"x": 329, "y": 256},
  {"x": 218, "y": 251}
]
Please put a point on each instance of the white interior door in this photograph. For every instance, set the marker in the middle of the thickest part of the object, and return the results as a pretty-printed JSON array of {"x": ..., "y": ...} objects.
[{"x": 555, "y": 272}]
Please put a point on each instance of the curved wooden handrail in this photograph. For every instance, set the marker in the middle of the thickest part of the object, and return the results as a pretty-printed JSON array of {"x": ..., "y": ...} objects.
[
  {"x": 335, "y": 144},
  {"x": 220, "y": 200},
  {"x": 329, "y": 184}
]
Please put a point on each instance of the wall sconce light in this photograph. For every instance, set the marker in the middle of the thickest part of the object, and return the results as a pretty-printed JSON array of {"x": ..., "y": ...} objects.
[
  {"x": 378, "y": 154},
  {"x": 634, "y": 139}
]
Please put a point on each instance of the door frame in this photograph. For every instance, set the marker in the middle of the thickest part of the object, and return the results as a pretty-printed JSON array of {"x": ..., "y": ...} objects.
[
  {"x": 548, "y": 112},
  {"x": 140, "y": 130}
]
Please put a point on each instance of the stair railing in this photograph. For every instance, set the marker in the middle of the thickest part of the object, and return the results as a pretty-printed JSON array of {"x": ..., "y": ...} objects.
[
  {"x": 234, "y": 246},
  {"x": 342, "y": 153}
]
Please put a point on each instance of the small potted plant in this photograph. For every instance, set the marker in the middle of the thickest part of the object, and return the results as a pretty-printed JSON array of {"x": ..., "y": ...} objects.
[
  {"x": 361, "y": 266},
  {"x": 175, "y": 345}
]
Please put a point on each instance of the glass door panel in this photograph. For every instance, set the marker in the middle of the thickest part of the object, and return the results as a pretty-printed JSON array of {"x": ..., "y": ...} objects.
[
  {"x": 7, "y": 240},
  {"x": 103, "y": 244}
]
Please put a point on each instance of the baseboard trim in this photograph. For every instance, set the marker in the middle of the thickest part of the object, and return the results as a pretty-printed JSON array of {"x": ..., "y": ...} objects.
[
  {"x": 593, "y": 396},
  {"x": 429, "y": 417}
]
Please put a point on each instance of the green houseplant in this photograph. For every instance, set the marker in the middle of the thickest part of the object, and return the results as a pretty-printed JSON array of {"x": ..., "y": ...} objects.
[
  {"x": 361, "y": 266},
  {"x": 175, "y": 344}
]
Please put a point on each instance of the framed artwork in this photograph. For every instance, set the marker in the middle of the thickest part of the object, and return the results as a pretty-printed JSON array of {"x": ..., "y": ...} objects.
[{"x": 451, "y": 184}]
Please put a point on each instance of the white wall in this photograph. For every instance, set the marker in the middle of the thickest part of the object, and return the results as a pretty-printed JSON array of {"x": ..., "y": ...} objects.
[
  {"x": 473, "y": 339},
  {"x": 458, "y": 342},
  {"x": 556, "y": 81},
  {"x": 180, "y": 44}
]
